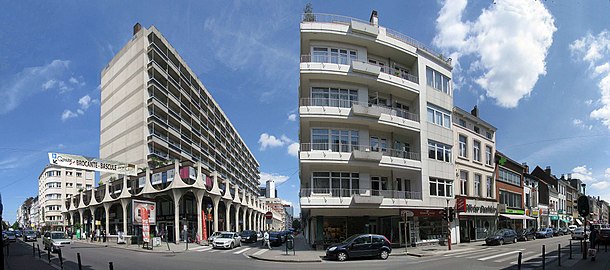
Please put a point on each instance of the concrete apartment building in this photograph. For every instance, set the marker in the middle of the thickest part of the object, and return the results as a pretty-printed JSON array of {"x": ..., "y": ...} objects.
[
  {"x": 57, "y": 184},
  {"x": 157, "y": 114},
  {"x": 475, "y": 188},
  {"x": 375, "y": 112}
]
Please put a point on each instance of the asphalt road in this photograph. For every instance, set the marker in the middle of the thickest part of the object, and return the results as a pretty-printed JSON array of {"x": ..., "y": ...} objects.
[{"x": 473, "y": 257}]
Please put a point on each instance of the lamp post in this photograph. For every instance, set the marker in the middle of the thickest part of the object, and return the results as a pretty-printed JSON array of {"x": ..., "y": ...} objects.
[{"x": 584, "y": 255}]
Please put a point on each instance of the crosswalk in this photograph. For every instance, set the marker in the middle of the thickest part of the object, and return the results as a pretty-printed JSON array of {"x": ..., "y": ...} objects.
[
  {"x": 235, "y": 251},
  {"x": 501, "y": 255}
]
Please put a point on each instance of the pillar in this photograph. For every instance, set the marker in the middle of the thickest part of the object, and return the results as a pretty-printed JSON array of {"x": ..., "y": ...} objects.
[
  {"x": 237, "y": 207},
  {"x": 124, "y": 209},
  {"x": 249, "y": 219},
  {"x": 177, "y": 218},
  {"x": 228, "y": 216},
  {"x": 92, "y": 220},
  {"x": 199, "y": 198},
  {"x": 244, "y": 217},
  {"x": 216, "y": 201},
  {"x": 107, "y": 210},
  {"x": 81, "y": 212}
]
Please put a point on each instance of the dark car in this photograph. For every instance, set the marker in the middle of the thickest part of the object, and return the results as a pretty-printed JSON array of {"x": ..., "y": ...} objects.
[
  {"x": 29, "y": 236},
  {"x": 248, "y": 236},
  {"x": 526, "y": 234},
  {"x": 10, "y": 236},
  {"x": 565, "y": 231},
  {"x": 557, "y": 232},
  {"x": 545, "y": 233},
  {"x": 501, "y": 236},
  {"x": 603, "y": 236},
  {"x": 285, "y": 235},
  {"x": 18, "y": 233},
  {"x": 275, "y": 239},
  {"x": 360, "y": 245}
]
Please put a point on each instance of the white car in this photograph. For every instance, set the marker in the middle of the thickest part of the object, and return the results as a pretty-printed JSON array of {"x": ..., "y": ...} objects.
[
  {"x": 572, "y": 228},
  {"x": 227, "y": 240}
]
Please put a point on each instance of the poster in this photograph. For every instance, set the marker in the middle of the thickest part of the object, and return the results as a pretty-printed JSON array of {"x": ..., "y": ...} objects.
[
  {"x": 138, "y": 208},
  {"x": 205, "y": 228},
  {"x": 145, "y": 226}
]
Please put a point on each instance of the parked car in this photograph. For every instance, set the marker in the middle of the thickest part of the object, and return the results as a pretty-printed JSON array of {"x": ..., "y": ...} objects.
[
  {"x": 29, "y": 236},
  {"x": 360, "y": 245},
  {"x": 557, "y": 232},
  {"x": 603, "y": 236},
  {"x": 564, "y": 231},
  {"x": 18, "y": 233},
  {"x": 526, "y": 234},
  {"x": 10, "y": 236},
  {"x": 227, "y": 240},
  {"x": 501, "y": 236},
  {"x": 579, "y": 233},
  {"x": 572, "y": 228},
  {"x": 55, "y": 240},
  {"x": 545, "y": 233},
  {"x": 214, "y": 235},
  {"x": 248, "y": 236},
  {"x": 275, "y": 239}
]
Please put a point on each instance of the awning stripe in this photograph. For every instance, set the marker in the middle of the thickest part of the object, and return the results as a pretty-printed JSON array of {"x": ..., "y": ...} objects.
[{"x": 516, "y": 216}]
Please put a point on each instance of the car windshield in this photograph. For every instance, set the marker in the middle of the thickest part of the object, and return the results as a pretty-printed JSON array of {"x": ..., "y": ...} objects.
[
  {"x": 226, "y": 235},
  {"x": 29, "y": 233},
  {"x": 10, "y": 233},
  {"x": 350, "y": 238},
  {"x": 57, "y": 236},
  {"x": 498, "y": 232}
]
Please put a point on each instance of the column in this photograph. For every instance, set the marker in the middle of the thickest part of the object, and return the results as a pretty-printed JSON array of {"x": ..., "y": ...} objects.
[
  {"x": 244, "y": 217},
  {"x": 216, "y": 201},
  {"x": 228, "y": 215},
  {"x": 107, "y": 210},
  {"x": 92, "y": 221},
  {"x": 199, "y": 198},
  {"x": 124, "y": 209},
  {"x": 177, "y": 219},
  {"x": 81, "y": 212},
  {"x": 250, "y": 219},
  {"x": 237, "y": 207}
]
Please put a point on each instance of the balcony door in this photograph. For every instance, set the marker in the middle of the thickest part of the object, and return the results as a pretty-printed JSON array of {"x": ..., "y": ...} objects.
[
  {"x": 403, "y": 186},
  {"x": 379, "y": 144},
  {"x": 378, "y": 185},
  {"x": 402, "y": 148}
]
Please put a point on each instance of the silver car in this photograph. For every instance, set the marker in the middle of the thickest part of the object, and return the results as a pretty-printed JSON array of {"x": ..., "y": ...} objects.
[
  {"x": 55, "y": 240},
  {"x": 227, "y": 240}
]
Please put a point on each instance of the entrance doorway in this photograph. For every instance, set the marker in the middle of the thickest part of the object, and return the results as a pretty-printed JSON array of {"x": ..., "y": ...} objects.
[
  {"x": 404, "y": 231},
  {"x": 465, "y": 230}
]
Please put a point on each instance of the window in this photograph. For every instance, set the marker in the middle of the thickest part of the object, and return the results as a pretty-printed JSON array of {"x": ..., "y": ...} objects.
[
  {"x": 476, "y": 151},
  {"x": 338, "y": 184},
  {"x": 439, "y": 116},
  {"x": 333, "y": 97},
  {"x": 489, "y": 187},
  {"x": 488, "y": 155},
  {"x": 527, "y": 200},
  {"x": 441, "y": 187},
  {"x": 69, "y": 173},
  {"x": 463, "y": 146},
  {"x": 334, "y": 140},
  {"x": 462, "y": 123},
  {"x": 477, "y": 185},
  {"x": 79, "y": 174},
  {"x": 463, "y": 182},
  {"x": 379, "y": 144},
  {"x": 439, "y": 151},
  {"x": 438, "y": 81},
  {"x": 489, "y": 135},
  {"x": 510, "y": 199},
  {"x": 509, "y": 177},
  {"x": 476, "y": 130},
  {"x": 333, "y": 55}
]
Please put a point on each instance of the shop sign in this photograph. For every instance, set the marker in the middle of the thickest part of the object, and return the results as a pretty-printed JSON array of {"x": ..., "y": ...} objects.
[
  {"x": 535, "y": 212},
  {"x": 92, "y": 164},
  {"x": 544, "y": 211},
  {"x": 554, "y": 217},
  {"x": 427, "y": 212},
  {"x": 460, "y": 204},
  {"x": 406, "y": 213},
  {"x": 140, "y": 206},
  {"x": 480, "y": 209},
  {"x": 515, "y": 211},
  {"x": 553, "y": 213}
]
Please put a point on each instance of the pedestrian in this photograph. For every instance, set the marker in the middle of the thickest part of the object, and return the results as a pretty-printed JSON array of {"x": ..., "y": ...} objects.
[
  {"x": 98, "y": 235},
  {"x": 104, "y": 236},
  {"x": 267, "y": 242},
  {"x": 593, "y": 236}
]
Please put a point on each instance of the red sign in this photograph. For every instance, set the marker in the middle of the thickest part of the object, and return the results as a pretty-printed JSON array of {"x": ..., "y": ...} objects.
[
  {"x": 204, "y": 227},
  {"x": 460, "y": 204},
  {"x": 145, "y": 226},
  {"x": 428, "y": 212},
  {"x": 269, "y": 215}
]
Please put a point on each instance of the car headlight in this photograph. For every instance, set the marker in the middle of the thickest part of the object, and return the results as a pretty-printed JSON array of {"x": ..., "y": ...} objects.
[{"x": 332, "y": 248}]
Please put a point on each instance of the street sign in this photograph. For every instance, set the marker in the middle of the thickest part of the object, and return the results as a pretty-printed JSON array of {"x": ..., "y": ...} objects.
[
  {"x": 406, "y": 213},
  {"x": 269, "y": 215}
]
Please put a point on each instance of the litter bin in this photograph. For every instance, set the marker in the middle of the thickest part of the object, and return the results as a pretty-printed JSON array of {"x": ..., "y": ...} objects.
[{"x": 290, "y": 244}]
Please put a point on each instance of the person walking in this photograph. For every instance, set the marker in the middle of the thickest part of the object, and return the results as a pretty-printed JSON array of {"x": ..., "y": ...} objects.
[{"x": 266, "y": 237}]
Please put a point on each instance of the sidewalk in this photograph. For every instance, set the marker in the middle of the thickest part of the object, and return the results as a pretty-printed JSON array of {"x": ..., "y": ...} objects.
[
  {"x": 20, "y": 257},
  {"x": 302, "y": 253},
  {"x": 602, "y": 262},
  {"x": 425, "y": 251},
  {"x": 163, "y": 248}
]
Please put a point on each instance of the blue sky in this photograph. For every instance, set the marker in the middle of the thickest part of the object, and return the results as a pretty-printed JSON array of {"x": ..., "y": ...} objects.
[{"x": 538, "y": 70}]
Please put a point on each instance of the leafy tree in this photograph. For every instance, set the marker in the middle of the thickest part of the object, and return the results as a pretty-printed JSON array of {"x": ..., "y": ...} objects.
[
  {"x": 15, "y": 226},
  {"x": 296, "y": 224},
  {"x": 308, "y": 13}
]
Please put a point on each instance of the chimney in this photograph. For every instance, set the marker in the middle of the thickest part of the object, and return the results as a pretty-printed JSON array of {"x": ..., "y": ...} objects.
[
  {"x": 475, "y": 111},
  {"x": 569, "y": 176},
  {"x": 548, "y": 170},
  {"x": 136, "y": 28},
  {"x": 563, "y": 177},
  {"x": 527, "y": 168},
  {"x": 374, "y": 20}
]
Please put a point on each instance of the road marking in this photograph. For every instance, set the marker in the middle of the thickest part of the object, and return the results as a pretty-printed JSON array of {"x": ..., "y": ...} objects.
[
  {"x": 508, "y": 258},
  {"x": 260, "y": 252},
  {"x": 200, "y": 248},
  {"x": 467, "y": 253},
  {"x": 240, "y": 251},
  {"x": 203, "y": 249},
  {"x": 457, "y": 250},
  {"x": 528, "y": 259},
  {"x": 214, "y": 250},
  {"x": 499, "y": 255},
  {"x": 227, "y": 251}
]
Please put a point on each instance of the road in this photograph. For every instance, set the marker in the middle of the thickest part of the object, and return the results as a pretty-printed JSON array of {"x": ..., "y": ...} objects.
[{"x": 477, "y": 256}]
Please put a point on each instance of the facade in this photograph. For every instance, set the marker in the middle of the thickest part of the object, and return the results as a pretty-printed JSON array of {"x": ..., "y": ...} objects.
[
  {"x": 35, "y": 214},
  {"x": 509, "y": 183},
  {"x": 194, "y": 166},
  {"x": 476, "y": 202},
  {"x": 531, "y": 195},
  {"x": 289, "y": 214},
  {"x": 375, "y": 110},
  {"x": 57, "y": 184}
]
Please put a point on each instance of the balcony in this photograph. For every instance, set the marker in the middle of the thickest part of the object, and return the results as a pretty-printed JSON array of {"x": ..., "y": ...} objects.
[
  {"x": 341, "y": 192},
  {"x": 362, "y": 152},
  {"x": 360, "y": 108}
]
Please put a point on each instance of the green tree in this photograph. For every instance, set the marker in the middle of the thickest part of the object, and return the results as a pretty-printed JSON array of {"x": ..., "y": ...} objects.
[
  {"x": 296, "y": 224},
  {"x": 308, "y": 13},
  {"x": 15, "y": 226}
]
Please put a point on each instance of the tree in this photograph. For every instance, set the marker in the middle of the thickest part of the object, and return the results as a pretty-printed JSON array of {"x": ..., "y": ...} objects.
[
  {"x": 296, "y": 224},
  {"x": 308, "y": 13},
  {"x": 15, "y": 225}
]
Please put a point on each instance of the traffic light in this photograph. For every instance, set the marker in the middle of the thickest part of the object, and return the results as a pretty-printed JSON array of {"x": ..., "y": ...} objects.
[
  {"x": 583, "y": 206},
  {"x": 451, "y": 214},
  {"x": 444, "y": 214}
]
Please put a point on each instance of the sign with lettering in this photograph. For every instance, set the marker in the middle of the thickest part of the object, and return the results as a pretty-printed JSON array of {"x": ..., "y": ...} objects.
[
  {"x": 427, "y": 212},
  {"x": 481, "y": 209},
  {"x": 138, "y": 208},
  {"x": 460, "y": 204},
  {"x": 535, "y": 212},
  {"x": 515, "y": 211},
  {"x": 93, "y": 164}
]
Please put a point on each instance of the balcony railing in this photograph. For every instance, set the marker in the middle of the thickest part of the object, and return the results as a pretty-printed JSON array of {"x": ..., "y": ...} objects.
[
  {"x": 343, "y": 60},
  {"x": 331, "y": 18},
  {"x": 347, "y": 148},
  {"x": 398, "y": 73},
  {"x": 342, "y": 103},
  {"x": 343, "y": 192}
]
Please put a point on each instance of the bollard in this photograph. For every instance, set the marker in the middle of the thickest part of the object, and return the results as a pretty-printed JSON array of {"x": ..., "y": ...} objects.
[
  {"x": 61, "y": 259},
  {"x": 33, "y": 250},
  {"x": 570, "y": 250},
  {"x": 543, "y": 258},
  {"x": 110, "y": 266},
  {"x": 80, "y": 265},
  {"x": 519, "y": 261},
  {"x": 39, "y": 256},
  {"x": 49, "y": 255},
  {"x": 559, "y": 254}
]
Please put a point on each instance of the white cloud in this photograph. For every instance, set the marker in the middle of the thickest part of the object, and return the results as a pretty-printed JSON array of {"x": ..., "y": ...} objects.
[
  {"x": 516, "y": 32},
  {"x": 579, "y": 123},
  {"x": 601, "y": 184},
  {"x": 293, "y": 149},
  {"x": 76, "y": 81},
  {"x": 269, "y": 141},
  {"x": 589, "y": 102},
  {"x": 292, "y": 117},
  {"x": 277, "y": 178},
  {"x": 67, "y": 114},
  {"x": 84, "y": 102},
  {"x": 607, "y": 173},
  {"x": 595, "y": 51},
  {"x": 29, "y": 81}
]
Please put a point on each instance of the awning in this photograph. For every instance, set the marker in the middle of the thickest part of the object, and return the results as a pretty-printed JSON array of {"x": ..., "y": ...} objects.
[
  {"x": 516, "y": 216},
  {"x": 578, "y": 221}
]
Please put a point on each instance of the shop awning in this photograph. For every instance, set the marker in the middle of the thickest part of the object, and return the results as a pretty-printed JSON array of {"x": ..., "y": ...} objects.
[
  {"x": 578, "y": 221},
  {"x": 516, "y": 216}
]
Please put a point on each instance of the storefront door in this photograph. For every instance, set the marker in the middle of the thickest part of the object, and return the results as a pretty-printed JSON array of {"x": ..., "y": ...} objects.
[
  {"x": 465, "y": 230},
  {"x": 403, "y": 233}
]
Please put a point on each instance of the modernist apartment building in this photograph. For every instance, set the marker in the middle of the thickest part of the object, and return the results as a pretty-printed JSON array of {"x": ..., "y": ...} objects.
[
  {"x": 475, "y": 188},
  {"x": 157, "y": 114},
  {"x": 375, "y": 112},
  {"x": 57, "y": 184}
]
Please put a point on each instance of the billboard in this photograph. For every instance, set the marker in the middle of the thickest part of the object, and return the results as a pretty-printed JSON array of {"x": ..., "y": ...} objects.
[
  {"x": 137, "y": 208},
  {"x": 93, "y": 164}
]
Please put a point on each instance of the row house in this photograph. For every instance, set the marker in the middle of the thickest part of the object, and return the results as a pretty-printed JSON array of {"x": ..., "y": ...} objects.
[{"x": 509, "y": 191}]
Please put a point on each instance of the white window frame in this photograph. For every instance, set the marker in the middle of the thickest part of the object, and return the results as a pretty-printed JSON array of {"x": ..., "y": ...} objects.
[
  {"x": 476, "y": 150},
  {"x": 463, "y": 145},
  {"x": 438, "y": 116},
  {"x": 463, "y": 182},
  {"x": 442, "y": 148},
  {"x": 477, "y": 184},
  {"x": 445, "y": 183},
  {"x": 488, "y": 155},
  {"x": 433, "y": 77}
]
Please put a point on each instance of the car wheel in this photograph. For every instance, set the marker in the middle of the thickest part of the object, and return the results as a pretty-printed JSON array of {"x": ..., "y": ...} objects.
[
  {"x": 534, "y": 238},
  {"x": 515, "y": 240},
  {"x": 342, "y": 256},
  {"x": 501, "y": 242},
  {"x": 231, "y": 246},
  {"x": 384, "y": 255}
]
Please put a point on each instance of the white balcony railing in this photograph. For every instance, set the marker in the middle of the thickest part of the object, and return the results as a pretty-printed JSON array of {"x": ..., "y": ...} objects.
[
  {"x": 347, "y": 148},
  {"x": 343, "y": 192},
  {"x": 343, "y": 103}
]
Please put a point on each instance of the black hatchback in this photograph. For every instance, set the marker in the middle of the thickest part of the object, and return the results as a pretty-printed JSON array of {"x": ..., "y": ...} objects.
[
  {"x": 248, "y": 236},
  {"x": 526, "y": 234},
  {"x": 501, "y": 236},
  {"x": 360, "y": 245}
]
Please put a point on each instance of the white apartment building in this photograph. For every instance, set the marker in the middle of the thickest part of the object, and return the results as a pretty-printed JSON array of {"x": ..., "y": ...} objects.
[
  {"x": 193, "y": 163},
  {"x": 35, "y": 214},
  {"x": 57, "y": 184},
  {"x": 375, "y": 132},
  {"x": 475, "y": 188}
]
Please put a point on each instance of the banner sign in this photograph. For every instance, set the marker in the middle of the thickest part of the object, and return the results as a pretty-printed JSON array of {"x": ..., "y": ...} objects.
[
  {"x": 138, "y": 208},
  {"x": 205, "y": 228},
  {"x": 460, "y": 204},
  {"x": 145, "y": 226},
  {"x": 92, "y": 164}
]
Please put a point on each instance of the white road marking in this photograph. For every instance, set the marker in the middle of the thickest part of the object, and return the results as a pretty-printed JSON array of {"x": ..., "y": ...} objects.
[
  {"x": 457, "y": 251},
  {"x": 539, "y": 256},
  {"x": 522, "y": 255},
  {"x": 467, "y": 253},
  {"x": 499, "y": 255},
  {"x": 240, "y": 251},
  {"x": 200, "y": 248},
  {"x": 214, "y": 250},
  {"x": 260, "y": 252},
  {"x": 204, "y": 249}
]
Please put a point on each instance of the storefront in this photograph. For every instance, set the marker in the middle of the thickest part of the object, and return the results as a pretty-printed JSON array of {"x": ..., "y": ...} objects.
[
  {"x": 534, "y": 213},
  {"x": 477, "y": 219},
  {"x": 544, "y": 218},
  {"x": 428, "y": 227},
  {"x": 513, "y": 218},
  {"x": 554, "y": 217}
]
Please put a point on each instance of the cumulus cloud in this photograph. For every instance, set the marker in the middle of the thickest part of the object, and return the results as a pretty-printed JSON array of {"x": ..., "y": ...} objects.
[
  {"x": 269, "y": 141},
  {"x": 277, "y": 178},
  {"x": 579, "y": 123},
  {"x": 79, "y": 82},
  {"x": 517, "y": 32},
  {"x": 292, "y": 117},
  {"x": 601, "y": 184},
  {"x": 67, "y": 114},
  {"x": 293, "y": 149},
  {"x": 84, "y": 103},
  {"x": 595, "y": 51},
  {"x": 583, "y": 173}
]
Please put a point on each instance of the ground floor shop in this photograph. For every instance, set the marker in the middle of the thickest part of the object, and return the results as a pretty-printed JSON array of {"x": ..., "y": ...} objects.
[
  {"x": 477, "y": 218},
  {"x": 513, "y": 218}
]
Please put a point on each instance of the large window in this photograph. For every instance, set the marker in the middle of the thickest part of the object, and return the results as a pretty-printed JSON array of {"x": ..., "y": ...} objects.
[
  {"x": 333, "y": 55},
  {"x": 441, "y": 187},
  {"x": 463, "y": 146},
  {"x": 334, "y": 140},
  {"x": 333, "y": 97},
  {"x": 438, "y": 81},
  {"x": 439, "y": 151},
  {"x": 488, "y": 155},
  {"x": 489, "y": 187},
  {"x": 509, "y": 177},
  {"x": 439, "y": 116},
  {"x": 476, "y": 151},
  {"x": 463, "y": 182},
  {"x": 477, "y": 185},
  {"x": 510, "y": 199},
  {"x": 338, "y": 184}
]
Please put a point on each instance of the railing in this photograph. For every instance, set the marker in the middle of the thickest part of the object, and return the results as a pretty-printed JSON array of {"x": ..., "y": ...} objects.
[
  {"x": 331, "y": 18},
  {"x": 347, "y": 148},
  {"x": 392, "y": 71},
  {"x": 344, "y": 192},
  {"x": 336, "y": 59},
  {"x": 397, "y": 194},
  {"x": 342, "y": 103}
]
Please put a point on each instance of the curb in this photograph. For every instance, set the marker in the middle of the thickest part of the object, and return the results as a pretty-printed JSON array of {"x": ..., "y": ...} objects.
[
  {"x": 287, "y": 261},
  {"x": 132, "y": 249}
]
